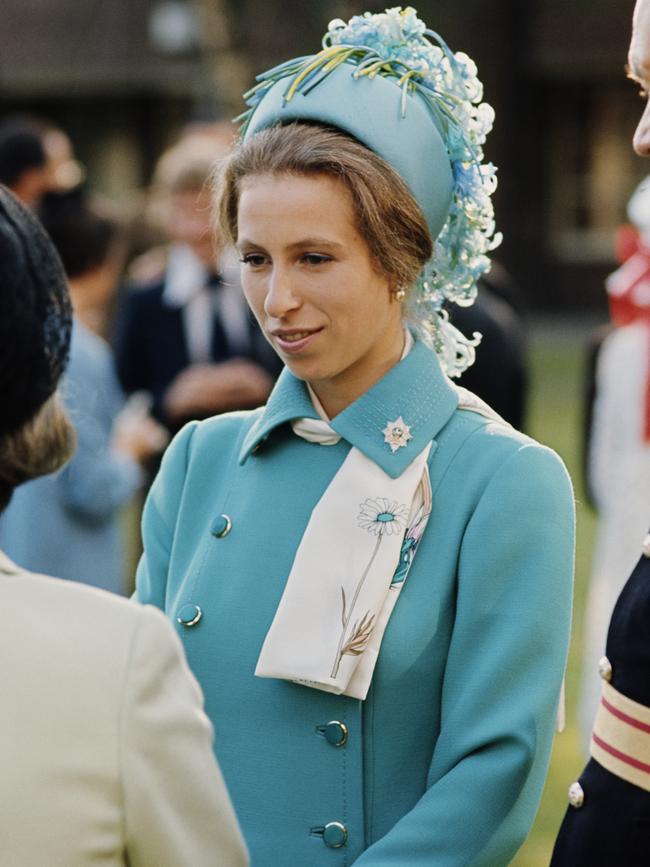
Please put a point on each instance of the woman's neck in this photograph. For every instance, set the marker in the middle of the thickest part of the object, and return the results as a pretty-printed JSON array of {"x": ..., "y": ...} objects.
[{"x": 336, "y": 394}]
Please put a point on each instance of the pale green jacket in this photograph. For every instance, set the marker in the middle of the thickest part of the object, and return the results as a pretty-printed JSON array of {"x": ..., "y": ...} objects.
[{"x": 445, "y": 760}]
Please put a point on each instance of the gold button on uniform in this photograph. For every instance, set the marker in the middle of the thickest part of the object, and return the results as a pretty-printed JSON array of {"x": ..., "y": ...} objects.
[
  {"x": 605, "y": 668},
  {"x": 576, "y": 795},
  {"x": 645, "y": 547}
]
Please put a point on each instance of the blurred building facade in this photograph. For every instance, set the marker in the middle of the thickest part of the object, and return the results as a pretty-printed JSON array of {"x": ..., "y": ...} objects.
[{"x": 122, "y": 78}]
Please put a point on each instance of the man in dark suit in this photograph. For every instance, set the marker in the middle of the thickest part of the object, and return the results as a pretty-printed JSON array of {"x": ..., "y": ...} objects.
[
  {"x": 499, "y": 376},
  {"x": 185, "y": 334}
]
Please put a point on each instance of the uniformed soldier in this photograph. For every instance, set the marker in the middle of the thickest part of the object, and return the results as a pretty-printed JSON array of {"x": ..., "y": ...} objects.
[{"x": 607, "y": 823}]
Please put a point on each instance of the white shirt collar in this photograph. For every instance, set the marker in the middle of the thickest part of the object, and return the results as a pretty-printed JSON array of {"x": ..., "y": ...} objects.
[{"x": 185, "y": 276}]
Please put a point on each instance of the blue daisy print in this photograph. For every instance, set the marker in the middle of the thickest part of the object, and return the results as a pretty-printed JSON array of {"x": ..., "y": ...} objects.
[{"x": 382, "y": 517}]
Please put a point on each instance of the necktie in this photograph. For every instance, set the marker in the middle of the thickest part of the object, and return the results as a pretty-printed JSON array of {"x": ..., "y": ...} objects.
[{"x": 219, "y": 348}]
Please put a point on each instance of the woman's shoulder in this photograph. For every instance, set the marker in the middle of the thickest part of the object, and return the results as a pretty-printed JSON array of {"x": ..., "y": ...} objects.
[
  {"x": 90, "y": 381},
  {"x": 484, "y": 443},
  {"x": 474, "y": 417},
  {"x": 227, "y": 424},
  {"x": 67, "y": 607},
  {"x": 86, "y": 345},
  {"x": 215, "y": 436}
]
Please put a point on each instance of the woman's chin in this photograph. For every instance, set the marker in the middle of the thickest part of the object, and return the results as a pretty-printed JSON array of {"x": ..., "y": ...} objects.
[{"x": 306, "y": 369}]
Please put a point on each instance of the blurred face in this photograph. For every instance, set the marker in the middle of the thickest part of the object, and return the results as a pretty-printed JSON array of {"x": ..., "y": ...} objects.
[
  {"x": 63, "y": 169},
  {"x": 190, "y": 222},
  {"x": 309, "y": 278},
  {"x": 639, "y": 71}
]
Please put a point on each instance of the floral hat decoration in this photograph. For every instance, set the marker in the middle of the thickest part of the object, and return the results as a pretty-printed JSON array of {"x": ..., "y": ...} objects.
[{"x": 395, "y": 85}]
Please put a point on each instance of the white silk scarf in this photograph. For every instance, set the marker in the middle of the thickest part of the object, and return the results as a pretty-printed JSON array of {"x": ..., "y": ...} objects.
[{"x": 348, "y": 571}]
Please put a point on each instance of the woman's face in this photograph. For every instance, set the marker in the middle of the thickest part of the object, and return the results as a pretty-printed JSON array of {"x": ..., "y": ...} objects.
[{"x": 310, "y": 280}]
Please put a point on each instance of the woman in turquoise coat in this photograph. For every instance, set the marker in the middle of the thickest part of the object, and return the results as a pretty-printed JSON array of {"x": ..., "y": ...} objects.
[{"x": 371, "y": 574}]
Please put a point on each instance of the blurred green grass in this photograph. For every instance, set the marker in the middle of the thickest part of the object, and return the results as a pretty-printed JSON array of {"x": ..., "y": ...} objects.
[{"x": 555, "y": 419}]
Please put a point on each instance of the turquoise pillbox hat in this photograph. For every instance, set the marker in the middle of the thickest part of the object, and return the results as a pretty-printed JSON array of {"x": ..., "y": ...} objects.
[{"x": 373, "y": 110}]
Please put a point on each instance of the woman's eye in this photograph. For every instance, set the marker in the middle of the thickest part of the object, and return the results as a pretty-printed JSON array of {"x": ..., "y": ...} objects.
[
  {"x": 316, "y": 259},
  {"x": 256, "y": 260}
]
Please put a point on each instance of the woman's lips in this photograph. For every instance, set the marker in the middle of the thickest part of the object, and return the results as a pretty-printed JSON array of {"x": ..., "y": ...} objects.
[{"x": 294, "y": 341}]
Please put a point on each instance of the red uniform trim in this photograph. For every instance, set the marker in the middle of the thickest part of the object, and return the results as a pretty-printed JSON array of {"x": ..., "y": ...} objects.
[
  {"x": 629, "y": 760},
  {"x": 630, "y": 720}
]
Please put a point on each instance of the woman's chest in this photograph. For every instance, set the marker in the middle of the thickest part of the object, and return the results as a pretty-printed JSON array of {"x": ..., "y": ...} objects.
[{"x": 237, "y": 538}]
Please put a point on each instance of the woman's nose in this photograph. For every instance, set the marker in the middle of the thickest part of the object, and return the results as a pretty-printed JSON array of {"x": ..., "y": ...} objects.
[{"x": 281, "y": 296}]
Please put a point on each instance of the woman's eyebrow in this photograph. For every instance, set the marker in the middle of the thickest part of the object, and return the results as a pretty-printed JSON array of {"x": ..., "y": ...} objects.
[
  {"x": 303, "y": 244},
  {"x": 242, "y": 243},
  {"x": 315, "y": 241}
]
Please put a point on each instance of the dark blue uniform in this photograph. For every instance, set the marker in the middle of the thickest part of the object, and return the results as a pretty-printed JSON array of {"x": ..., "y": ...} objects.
[{"x": 608, "y": 822}]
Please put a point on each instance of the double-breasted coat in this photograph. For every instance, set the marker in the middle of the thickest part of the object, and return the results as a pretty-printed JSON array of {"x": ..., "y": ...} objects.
[{"x": 444, "y": 761}]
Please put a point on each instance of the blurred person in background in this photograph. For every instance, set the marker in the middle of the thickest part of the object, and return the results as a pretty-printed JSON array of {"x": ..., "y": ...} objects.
[
  {"x": 185, "y": 334},
  {"x": 104, "y": 747},
  {"x": 66, "y": 173},
  {"x": 607, "y": 823},
  {"x": 23, "y": 161},
  {"x": 77, "y": 510},
  {"x": 36, "y": 158},
  {"x": 499, "y": 374},
  {"x": 618, "y": 446}
]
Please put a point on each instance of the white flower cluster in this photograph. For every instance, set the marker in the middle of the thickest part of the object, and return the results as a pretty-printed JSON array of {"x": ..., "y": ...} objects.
[{"x": 450, "y": 84}]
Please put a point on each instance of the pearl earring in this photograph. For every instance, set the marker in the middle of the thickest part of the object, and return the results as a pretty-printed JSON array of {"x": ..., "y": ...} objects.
[{"x": 400, "y": 294}]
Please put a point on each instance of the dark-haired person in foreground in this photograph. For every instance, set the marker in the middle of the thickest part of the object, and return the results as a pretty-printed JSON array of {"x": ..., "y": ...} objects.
[{"x": 104, "y": 748}]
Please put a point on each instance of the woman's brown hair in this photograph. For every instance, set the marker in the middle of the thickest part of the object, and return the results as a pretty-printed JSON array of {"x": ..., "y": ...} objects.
[
  {"x": 387, "y": 215},
  {"x": 39, "y": 447}
]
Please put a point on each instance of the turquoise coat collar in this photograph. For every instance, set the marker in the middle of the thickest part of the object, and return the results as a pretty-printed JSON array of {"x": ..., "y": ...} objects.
[{"x": 415, "y": 389}]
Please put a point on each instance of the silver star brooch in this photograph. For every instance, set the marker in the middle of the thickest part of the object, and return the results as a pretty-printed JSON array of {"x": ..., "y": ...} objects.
[{"x": 397, "y": 434}]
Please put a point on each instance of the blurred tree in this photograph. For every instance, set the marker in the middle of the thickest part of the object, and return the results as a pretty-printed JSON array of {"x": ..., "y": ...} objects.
[
  {"x": 241, "y": 37},
  {"x": 227, "y": 68}
]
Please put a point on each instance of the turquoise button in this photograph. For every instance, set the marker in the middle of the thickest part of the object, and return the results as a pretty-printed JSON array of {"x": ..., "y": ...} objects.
[
  {"x": 335, "y": 733},
  {"x": 335, "y": 835},
  {"x": 189, "y": 614},
  {"x": 221, "y": 526}
]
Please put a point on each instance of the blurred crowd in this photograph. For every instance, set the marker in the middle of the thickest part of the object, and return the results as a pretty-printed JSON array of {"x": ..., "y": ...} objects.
[{"x": 161, "y": 336}]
